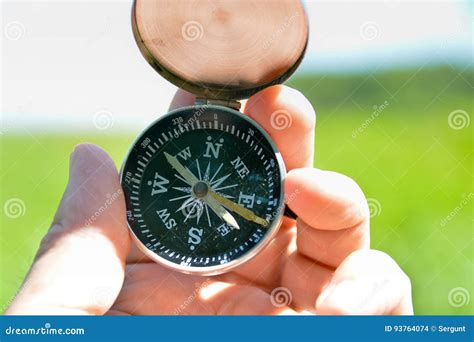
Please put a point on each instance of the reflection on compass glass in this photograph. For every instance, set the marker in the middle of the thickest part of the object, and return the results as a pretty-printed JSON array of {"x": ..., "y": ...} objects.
[{"x": 203, "y": 188}]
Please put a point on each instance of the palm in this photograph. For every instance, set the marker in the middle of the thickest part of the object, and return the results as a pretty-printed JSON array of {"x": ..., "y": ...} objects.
[
  {"x": 319, "y": 262},
  {"x": 150, "y": 288}
]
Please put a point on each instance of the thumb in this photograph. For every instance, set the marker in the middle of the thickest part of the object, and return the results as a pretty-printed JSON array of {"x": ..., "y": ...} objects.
[{"x": 79, "y": 268}]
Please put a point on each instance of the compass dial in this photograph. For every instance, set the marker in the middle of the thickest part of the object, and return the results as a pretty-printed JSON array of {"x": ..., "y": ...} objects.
[{"x": 203, "y": 189}]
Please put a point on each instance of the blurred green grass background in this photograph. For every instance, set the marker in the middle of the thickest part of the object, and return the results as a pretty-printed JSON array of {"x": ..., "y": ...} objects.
[{"x": 413, "y": 166}]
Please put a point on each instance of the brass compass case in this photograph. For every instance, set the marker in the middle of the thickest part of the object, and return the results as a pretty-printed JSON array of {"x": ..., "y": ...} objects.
[{"x": 222, "y": 51}]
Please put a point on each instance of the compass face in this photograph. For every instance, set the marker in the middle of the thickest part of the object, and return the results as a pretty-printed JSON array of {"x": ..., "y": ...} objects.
[{"x": 203, "y": 189}]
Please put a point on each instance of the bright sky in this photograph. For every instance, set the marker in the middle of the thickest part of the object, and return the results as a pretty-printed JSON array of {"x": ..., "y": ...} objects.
[{"x": 69, "y": 65}]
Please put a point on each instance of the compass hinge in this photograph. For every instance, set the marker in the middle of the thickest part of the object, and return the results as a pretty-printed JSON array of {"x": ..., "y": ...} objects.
[{"x": 226, "y": 103}]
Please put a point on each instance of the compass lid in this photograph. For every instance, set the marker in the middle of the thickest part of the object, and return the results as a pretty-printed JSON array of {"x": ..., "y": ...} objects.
[{"x": 225, "y": 49}]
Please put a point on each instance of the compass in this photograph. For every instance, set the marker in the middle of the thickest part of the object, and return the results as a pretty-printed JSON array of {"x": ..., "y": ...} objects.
[{"x": 204, "y": 184}]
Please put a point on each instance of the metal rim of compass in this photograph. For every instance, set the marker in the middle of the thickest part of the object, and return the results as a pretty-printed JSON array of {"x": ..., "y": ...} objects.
[{"x": 266, "y": 239}]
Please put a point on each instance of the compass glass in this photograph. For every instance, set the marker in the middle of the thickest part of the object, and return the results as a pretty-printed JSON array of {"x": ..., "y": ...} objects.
[{"x": 203, "y": 189}]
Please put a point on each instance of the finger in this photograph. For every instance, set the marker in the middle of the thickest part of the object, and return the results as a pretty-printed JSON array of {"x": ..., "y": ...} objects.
[
  {"x": 325, "y": 199},
  {"x": 368, "y": 282},
  {"x": 265, "y": 268},
  {"x": 304, "y": 279},
  {"x": 182, "y": 98},
  {"x": 289, "y": 118},
  {"x": 79, "y": 268},
  {"x": 333, "y": 217},
  {"x": 151, "y": 289}
]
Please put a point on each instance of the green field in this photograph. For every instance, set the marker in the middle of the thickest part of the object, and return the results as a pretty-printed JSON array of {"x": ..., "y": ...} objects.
[{"x": 415, "y": 168}]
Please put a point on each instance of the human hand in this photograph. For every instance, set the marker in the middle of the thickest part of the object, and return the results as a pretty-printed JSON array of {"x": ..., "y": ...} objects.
[{"x": 321, "y": 263}]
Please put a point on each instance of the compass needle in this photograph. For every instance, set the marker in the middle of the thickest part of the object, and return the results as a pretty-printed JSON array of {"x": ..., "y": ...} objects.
[
  {"x": 222, "y": 212},
  {"x": 183, "y": 171},
  {"x": 242, "y": 211}
]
